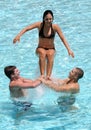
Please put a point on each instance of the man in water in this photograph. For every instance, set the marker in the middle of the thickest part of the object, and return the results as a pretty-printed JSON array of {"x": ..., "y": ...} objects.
[
  {"x": 18, "y": 85},
  {"x": 69, "y": 86}
]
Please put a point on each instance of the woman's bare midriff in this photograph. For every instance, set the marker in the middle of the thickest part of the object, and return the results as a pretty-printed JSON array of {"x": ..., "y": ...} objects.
[{"x": 46, "y": 43}]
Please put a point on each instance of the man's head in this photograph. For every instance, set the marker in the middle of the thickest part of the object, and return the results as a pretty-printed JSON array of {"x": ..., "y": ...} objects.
[
  {"x": 76, "y": 74},
  {"x": 11, "y": 71}
]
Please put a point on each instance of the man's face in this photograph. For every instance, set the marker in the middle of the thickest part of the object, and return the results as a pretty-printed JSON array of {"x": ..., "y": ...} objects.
[
  {"x": 16, "y": 72},
  {"x": 73, "y": 73}
]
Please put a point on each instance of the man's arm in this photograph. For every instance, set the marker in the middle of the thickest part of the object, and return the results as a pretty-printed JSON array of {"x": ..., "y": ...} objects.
[
  {"x": 74, "y": 87},
  {"x": 26, "y": 80},
  {"x": 24, "y": 85}
]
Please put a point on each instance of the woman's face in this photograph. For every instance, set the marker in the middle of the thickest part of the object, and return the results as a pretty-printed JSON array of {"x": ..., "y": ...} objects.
[{"x": 48, "y": 19}]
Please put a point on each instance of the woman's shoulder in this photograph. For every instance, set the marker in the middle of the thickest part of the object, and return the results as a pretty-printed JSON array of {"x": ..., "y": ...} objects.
[
  {"x": 36, "y": 24},
  {"x": 55, "y": 27},
  {"x": 39, "y": 24}
]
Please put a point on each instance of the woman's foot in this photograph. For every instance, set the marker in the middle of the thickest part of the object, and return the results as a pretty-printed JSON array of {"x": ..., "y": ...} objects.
[
  {"x": 48, "y": 78},
  {"x": 42, "y": 76}
]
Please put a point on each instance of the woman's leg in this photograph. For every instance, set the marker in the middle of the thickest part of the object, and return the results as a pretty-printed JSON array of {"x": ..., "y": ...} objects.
[
  {"x": 50, "y": 60},
  {"x": 42, "y": 60}
]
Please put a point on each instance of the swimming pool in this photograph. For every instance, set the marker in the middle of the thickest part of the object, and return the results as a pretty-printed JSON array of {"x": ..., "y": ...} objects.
[{"x": 74, "y": 17}]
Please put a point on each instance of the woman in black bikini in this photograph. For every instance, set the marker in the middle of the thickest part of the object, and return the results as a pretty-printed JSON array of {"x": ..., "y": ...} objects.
[{"x": 46, "y": 47}]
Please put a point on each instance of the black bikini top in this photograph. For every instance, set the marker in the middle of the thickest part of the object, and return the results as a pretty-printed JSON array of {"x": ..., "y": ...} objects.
[{"x": 41, "y": 32}]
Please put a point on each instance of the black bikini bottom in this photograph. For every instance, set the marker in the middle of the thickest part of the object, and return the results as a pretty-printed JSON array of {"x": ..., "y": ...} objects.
[{"x": 46, "y": 48}]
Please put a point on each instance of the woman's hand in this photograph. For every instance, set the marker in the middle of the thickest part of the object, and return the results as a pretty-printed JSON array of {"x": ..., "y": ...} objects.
[
  {"x": 71, "y": 53},
  {"x": 17, "y": 38}
]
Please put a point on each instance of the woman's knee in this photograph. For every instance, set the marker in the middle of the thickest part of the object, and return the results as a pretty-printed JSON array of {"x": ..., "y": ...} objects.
[
  {"x": 41, "y": 52},
  {"x": 42, "y": 55},
  {"x": 51, "y": 53}
]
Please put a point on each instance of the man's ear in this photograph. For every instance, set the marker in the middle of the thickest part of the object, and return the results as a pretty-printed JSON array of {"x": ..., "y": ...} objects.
[
  {"x": 76, "y": 77},
  {"x": 12, "y": 76}
]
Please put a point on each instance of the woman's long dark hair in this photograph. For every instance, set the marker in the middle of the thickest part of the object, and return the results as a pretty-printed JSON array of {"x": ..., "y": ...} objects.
[{"x": 47, "y": 12}]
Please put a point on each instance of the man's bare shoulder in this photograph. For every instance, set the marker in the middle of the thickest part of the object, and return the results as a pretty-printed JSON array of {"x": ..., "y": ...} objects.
[
  {"x": 15, "y": 83},
  {"x": 73, "y": 87}
]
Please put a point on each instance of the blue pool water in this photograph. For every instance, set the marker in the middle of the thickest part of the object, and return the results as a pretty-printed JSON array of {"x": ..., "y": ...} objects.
[{"x": 74, "y": 17}]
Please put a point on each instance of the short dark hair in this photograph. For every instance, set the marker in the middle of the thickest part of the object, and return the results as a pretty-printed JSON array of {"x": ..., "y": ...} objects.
[
  {"x": 80, "y": 73},
  {"x": 47, "y": 12},
  {"x": 8, "y": 70}
]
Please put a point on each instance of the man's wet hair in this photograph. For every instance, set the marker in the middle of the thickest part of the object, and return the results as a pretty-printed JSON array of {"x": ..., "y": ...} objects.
[
  {"x": 8, "y": 70},
  {"x": 80, "y": 73}
]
